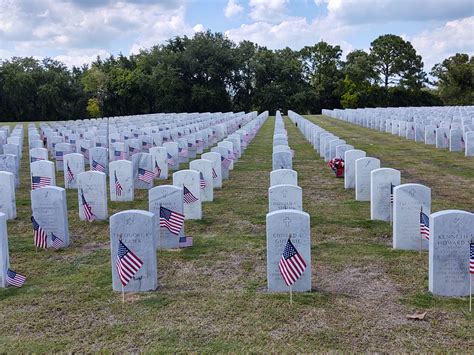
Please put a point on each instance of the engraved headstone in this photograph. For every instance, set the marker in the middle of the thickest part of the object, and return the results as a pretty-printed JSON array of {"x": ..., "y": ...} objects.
[
  {"x": 92, "y": 196},
  {"x": 381, "y": 183},
  {"x": 451, "y": 232},
  {"x": 143, "y": 171},
  {"x": 49, "y": 207},
  {"x": 171, "y": 198},
  {"x": 42, "y": 174},
  {"x": 4, "y": 257},
  {"x": 136, "y": 230},
  {"x": 73, "y": 165},
  {"x": 283, "y": 176},
  {"x": 285, "y": 197},
  {"x": 121, "y": 180},
  {"x": 408, "y": 201},
  {"x": 364, "y": 166},
  {"x": 188, "y": 180},
  {"x": 350, "y": 158},
  {"x": 215, "y": 159},
  {"x": 282, "y": 160},
  {"x": 282, "y": 225}
]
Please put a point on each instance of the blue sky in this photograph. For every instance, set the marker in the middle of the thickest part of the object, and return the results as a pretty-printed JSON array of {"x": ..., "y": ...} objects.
[{"x": 76, "y": 31}]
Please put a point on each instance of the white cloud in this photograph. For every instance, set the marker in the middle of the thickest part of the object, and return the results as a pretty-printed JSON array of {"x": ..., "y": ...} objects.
[
  {"x": 267, "y": 10},
  {"x": 199, "y": 28},
  {"x": 233, "y": 9},
  {"x": 77, "y": 58},
  {"x": 371, "y": 11},
  {"x": 294, "y": 32},
  {"x": 442, "y": 42}
]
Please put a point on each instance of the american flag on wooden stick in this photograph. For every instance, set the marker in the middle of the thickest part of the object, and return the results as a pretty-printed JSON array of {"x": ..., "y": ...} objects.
[
  {"x": 118, "y": 186},
  {"x": 471, "y": 258},
  {"x": 291, "y": 264},
  {"x": 170, "y": 159},
  {"x": 157, "y": 170},
  {"x": 96, "y": 166},
  {"x": 87, "y": 209},
  {"x": 39, "y": 234},
  {"x": 85, "y": 152},
  {"x": 188, "y": 196},
  {"x": 424, "y": 225},
  {"x": 145, "y": 175},
  {"x": 127, "y": 263},
  {"x": 171, "y": 220},
  {"x": 56, "y": 242},
  {"x": 225, "y": 162},
  {"x": 214, "y": 174},
  {"x": 40, "y": 181},
  {"x": 15, "y": 278},
  {"x": 202, "y": 181},
  {"x": 69, "y": 173}
]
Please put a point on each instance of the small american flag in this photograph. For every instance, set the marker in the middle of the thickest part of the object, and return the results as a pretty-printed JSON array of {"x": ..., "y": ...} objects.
[
  {"x": 15, "y": 279},
  {"x": 291, "y": 264},
  {"x": 202, "y": 181},
  {"x": 96, "y": 166},
  {"x": 214, "y": 174},
  {"x": 199, "y": 143},
  {"x": 127, "y": 263},
  {"x": 185, "y": 242},
  {"x": 87, "y": 209},
  {"x": 145, "y": 175},
  {"x": 171, "y": 160},
  {"x": 183, "y": 152},
  {"x": 471, "y": 258},
  {"x": 118, "y": 187},
  {"x": 98, "y": 144},
  {"x": 230, "y": 155},
  {"x": 190, "y": 145},
  {"x": 33, "y": 159},
  {"x": 118, "y": 154},
  {"x": 59, "y": 156},
  {"x": 173, "y": 221},
  {"x": 188, "y": 196},
  {"x": 40, "y": 181},
  {"x": 40, "y": 236},
  {"x": 56, "y": 242},
  {"x": 69, "y": 173},
  {"x": 85, "y": 152},
  {"x": 392, "y": 186},
  {"x": 225, "y": 162},
  {"x": 113, "y": 140},
  {"x": 424, "y": 225},
  {"x": 157, "y": 170}
]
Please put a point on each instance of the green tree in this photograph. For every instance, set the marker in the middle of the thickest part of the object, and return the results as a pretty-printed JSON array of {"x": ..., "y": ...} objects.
[
  {"x": 396, "y": 62},
  {"x": 455, "y": 79}
]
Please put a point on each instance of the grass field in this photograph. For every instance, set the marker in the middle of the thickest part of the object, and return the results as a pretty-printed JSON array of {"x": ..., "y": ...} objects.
[{"x": 212, "y": 296}]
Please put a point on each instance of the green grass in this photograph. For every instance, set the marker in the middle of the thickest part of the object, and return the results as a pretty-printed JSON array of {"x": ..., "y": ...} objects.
[{"x": 212, "y": 297}]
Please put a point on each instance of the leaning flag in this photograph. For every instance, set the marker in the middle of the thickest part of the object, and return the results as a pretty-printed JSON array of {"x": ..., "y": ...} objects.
[
  {"x": 214, "y": 174},
  {"x": 132, "y": 150},
  {"x": 15, "y": 279},
  {"x": 291, "y": 264},
  {"x": 188, "y": 196},
  {"x": 40, "y": 181},
  {"x": 87, "y": 209},
  {"x": 40, "y": 236},
  {"x": 96, "y": 166},
  {"x": 392, "y": 186},
  {"x": 145, "y": 175},
  {"x": 173, "y": 221},
  {"x": 183, "y": 152},
  {"x": 471, "y": 258},
  {"x": 202, "y": 181},
  {"x": 118, "y": 187},
  {"x": 69, "y": 173},
  {"x": 425, "y": 225},
  {"x": 56, "y": 242},
  {"x": 171, "y": 161},
  {"x": 127, "y": 263},
  {"x": 157, "y": 170},
  {"x": 225, "y": 162}
]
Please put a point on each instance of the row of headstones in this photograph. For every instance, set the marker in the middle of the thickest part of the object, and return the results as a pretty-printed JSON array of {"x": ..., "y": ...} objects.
[
  {"x": 184, "y": 142},
  {"x": 136, "y": 228},
  {"x": 450, "y": 231},
  {"x": 140, "y": 137},
  {"x": 125, "y": 175},
  {"x": 287, "y": 225},
  {"x": 454, "y": 132},
  {"x": 11, "y": 143}
]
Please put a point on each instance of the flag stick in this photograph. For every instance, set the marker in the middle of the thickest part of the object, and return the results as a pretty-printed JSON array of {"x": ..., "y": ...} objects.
[
  {"x": 291, "y": 296},
  {"x": 123, "y": 295},
  {"x": 470, "y": 293}
]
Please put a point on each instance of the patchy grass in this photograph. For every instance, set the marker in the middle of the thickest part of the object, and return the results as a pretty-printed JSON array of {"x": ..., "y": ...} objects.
[{"x": 212, "y": 297}]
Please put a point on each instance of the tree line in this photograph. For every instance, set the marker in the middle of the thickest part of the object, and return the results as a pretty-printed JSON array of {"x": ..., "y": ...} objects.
[{"x": 209, "y": 72}]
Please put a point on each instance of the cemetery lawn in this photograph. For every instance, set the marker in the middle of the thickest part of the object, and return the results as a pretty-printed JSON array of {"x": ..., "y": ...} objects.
[{"x": 212, "y": 296}]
